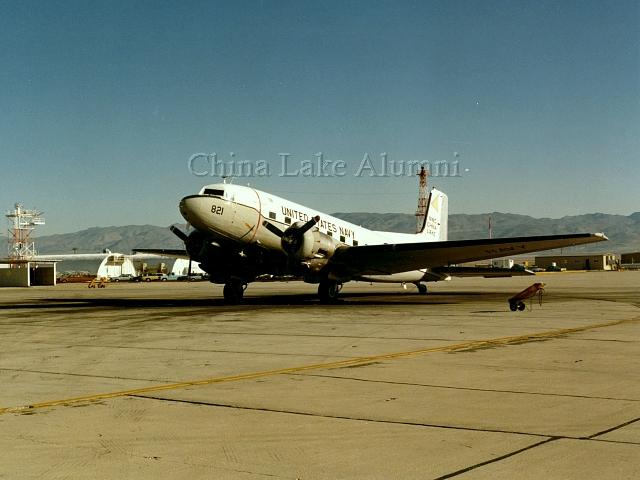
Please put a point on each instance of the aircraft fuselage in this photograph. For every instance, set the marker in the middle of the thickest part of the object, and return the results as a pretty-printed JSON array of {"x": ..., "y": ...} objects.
[{"x": 234, "y": 216}]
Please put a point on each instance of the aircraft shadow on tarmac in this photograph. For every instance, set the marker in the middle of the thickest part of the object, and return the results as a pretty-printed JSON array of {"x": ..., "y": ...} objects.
[{"x": 304, "y": 299}]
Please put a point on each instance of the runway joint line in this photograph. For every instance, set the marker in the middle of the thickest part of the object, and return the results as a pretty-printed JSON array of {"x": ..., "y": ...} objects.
[{"x": 356, "y": 361}]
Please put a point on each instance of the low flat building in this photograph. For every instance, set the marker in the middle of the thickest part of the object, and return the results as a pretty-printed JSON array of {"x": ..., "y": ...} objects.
[
  {"x": 596, "y": 261},
  {"x": 26, "y": 273},
  {"x": 630, "y": 260}
]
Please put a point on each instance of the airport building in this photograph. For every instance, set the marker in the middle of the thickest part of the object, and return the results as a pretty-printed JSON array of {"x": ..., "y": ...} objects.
[
  {"x": 21, "y": 268},
  {"x": 44, "y": 269},
  {"x": 630, "y": 261},
  {"x": 26, "y": 273},
  {"x": 101, "y": 265},
  {"x": 110, "y": 265},
  {"x": 596, "y": 261}
]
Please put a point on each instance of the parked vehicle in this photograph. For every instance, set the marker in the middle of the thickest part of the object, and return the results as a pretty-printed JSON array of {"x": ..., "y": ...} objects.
[
  {"x": 125, "y": 277},
  {"x": 153, "y": 277},
  {"x": 75, "y": 277},
  {"x": 194, "y": 277}
]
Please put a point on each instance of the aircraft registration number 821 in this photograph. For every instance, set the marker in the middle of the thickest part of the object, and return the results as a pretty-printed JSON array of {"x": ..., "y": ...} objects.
[{"x": 217, "y": 209}]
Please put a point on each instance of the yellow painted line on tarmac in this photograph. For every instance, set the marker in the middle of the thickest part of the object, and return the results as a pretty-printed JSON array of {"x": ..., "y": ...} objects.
[{"x": 468, "y": 345}]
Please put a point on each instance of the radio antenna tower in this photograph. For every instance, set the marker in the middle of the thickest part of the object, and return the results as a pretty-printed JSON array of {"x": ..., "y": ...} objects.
[
  {"x": 22, "y": 223},
  {"x": 421, "y": 212}
]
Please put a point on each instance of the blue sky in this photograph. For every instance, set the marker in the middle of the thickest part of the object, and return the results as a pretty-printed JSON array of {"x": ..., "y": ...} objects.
[{"x": 103, "y": 103}]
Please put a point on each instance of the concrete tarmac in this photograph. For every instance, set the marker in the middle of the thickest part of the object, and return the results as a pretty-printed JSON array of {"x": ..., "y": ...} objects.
[{"x": 163, "y": 380}]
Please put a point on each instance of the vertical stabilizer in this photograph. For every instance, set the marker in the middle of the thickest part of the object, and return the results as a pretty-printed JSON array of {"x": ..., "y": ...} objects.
[{"x": 434, "y": 228}]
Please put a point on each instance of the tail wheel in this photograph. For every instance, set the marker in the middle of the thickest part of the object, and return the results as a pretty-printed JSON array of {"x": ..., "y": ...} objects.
[
  {"x": 328, "y": 291},
  {"x": 521, "y": 306}
]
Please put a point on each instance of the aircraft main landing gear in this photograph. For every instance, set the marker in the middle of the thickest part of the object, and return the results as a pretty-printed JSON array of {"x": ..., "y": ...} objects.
[
  {"x": 234, "y": 291},
  {"x": 422, "y": 288},
  {"x": 328, "y": 291}
]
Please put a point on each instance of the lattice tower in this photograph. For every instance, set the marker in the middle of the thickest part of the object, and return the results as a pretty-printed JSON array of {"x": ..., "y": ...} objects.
[
  {"x": 423, "y": 196},
  {"x": 22, "y": 223}
]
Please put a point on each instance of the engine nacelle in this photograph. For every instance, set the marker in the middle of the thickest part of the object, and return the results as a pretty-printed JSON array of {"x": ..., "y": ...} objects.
[
  {"x": 324, "y": 246},
  {"x": 200, "y": 247},
  {"x": 312, "y": 244}
]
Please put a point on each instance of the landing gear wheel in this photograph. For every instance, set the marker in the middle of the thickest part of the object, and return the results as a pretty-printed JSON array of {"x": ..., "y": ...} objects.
[
  {"x": 233, "y": 292},
  {"x": 513, "y": 306},
  {"x": 328, "y": 291},
  {"x": 521, "y": 306},
  {"x": 422, "y": 288}
]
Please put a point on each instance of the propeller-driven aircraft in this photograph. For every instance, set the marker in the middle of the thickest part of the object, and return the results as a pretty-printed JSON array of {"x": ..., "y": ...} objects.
[{"x": 241, "y": 234}]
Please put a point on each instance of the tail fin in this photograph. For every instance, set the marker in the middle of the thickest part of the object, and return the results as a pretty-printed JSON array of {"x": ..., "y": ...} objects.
[{"x": 434, "y": 228}]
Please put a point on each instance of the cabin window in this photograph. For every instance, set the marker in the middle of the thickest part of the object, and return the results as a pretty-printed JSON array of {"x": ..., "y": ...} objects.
[
  {"x": 355, "y": 243},
  {"x": 272, "y": 215},
  {"x": 214, "y": 192},
  {"x": 342, "y": 238},
  {"x": 287, "y": 220},
  {"x": 329, "y": 234}
]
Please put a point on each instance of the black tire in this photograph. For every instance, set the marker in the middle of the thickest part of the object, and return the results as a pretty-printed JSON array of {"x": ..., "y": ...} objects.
[
  {"x": 328, "y": 291},
  {"x": 147, "y": 279},
  {"x": 513, "y": 306},
  {"x": 233, "y": 292},
  {"x": 422, "y": 288},
  {"x": 521, "y": 306}
]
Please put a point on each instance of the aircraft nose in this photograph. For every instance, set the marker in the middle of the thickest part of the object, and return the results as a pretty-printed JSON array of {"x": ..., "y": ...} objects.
[
  {"x": 184, "y": 209},
  {"x": 194, "y": 209}
]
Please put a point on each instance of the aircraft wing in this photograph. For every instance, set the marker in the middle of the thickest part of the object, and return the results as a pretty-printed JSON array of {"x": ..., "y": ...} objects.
[
  {"x": 486, "y": 272},
  {"x": 163, "y": 252},
  {"x": 403, "y": 257}
]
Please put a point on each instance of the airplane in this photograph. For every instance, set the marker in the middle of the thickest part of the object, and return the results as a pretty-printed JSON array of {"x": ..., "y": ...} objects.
[{"x": 241, "y": 234}]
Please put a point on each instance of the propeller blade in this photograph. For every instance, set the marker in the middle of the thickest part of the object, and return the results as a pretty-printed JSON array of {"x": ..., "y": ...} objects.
[
  {"x": 178, "y": 233},
  {"x": 311, "y": 223},
  {"x": 273, "y": 229}
]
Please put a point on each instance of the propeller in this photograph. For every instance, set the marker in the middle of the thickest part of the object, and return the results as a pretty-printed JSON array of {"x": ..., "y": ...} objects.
[
  {"x": 293, "y": 237},
  {"x": 273, "y": 229},
  {"x": 178, "y": 233},
  {"x": 197, "y": 244}
]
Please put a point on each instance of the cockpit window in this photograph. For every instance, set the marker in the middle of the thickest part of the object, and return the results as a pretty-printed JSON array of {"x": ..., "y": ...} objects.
[{"x": 214, "y": 192}]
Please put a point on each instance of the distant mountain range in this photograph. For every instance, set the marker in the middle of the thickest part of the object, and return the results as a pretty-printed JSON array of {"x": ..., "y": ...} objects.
[{"x": 623, "y": 231}]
